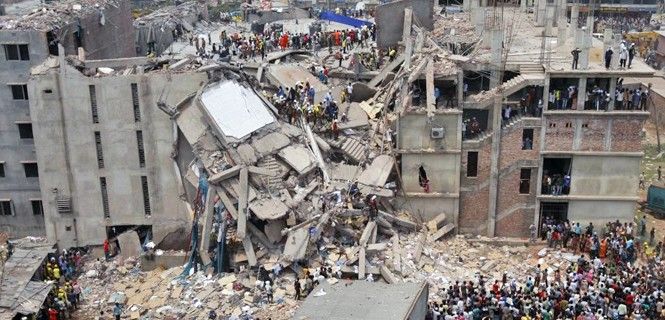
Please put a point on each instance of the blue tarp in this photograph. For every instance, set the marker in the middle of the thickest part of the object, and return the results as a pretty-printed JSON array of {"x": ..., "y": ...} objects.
[{"x": 329, "y": 15}]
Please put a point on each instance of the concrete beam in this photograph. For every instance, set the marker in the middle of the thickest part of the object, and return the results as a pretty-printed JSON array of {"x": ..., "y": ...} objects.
[
  {"x": 249, "y": 251},
  {"x": 243, "y": 197},
  {"x": 261, "y": 171},
  {"x": 442, "y": 232},
  {"x": 406, "y": 37},
  {"x": 226, "y": 174},
  {"x": 367, "y": 233},
  {"x": 397, "y": 254},
  {"x": 362, "y": 263},
  {"x": 387, "y": 275},
  {"x": 399, "y": 221},
  {"x": 209, "y": 213}
]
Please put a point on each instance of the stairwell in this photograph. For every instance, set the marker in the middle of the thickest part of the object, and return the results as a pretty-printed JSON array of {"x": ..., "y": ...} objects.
[
  {"x": 354, "y": 149},
  {"x": 270, "y": 163}
]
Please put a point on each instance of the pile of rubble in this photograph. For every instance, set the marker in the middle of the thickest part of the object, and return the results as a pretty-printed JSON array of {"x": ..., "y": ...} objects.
[
  {"x": 50, "y": 16},
  {"x": 169, "y": 294}
]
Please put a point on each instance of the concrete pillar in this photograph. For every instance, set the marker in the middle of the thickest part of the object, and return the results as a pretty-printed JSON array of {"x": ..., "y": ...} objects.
[
  {"x": 549, "y": 21},
  {"x": 546, "y": 93},
  {"x": 483, "y": 3},
  {"x": 540, "y": 17},
  {"x": 466, "y": 5},
  {"x": 613, "y": 87},
  {"x": 494, "y": 167},
  {"x": 523, "y": 5},
  {"x": 574, "y": 16},
  {"x": 460, "y": 89},
  {"x": 496, "y": 35},
  {"x": 581, "y": 93},
  {"x": 562, "y": 27},
  {"x": 583, "y": 42},
  {"x": 608, "y": 42}
]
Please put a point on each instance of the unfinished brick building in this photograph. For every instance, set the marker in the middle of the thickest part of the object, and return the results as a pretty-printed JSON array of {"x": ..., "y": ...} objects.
[{"x": 538, "y": 138}]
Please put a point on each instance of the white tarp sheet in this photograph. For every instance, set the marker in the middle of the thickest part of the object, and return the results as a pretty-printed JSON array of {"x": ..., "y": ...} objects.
[{"x": 236, "y": 110}]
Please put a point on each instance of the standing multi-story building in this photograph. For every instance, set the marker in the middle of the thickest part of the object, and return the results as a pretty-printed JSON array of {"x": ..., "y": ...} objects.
[
  {"x": 103, "y": 30},
  {"x": 106, "y": 150}
]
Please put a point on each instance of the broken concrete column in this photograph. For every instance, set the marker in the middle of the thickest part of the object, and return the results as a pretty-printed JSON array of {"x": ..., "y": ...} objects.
[
  {"x": 523, "y": 5},
  {"x": 572, "y": 27},
  {"x": 496, "y": 35}
]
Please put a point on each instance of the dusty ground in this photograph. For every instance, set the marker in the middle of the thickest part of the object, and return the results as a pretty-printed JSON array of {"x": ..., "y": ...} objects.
[{"x": 652, "y": 159}]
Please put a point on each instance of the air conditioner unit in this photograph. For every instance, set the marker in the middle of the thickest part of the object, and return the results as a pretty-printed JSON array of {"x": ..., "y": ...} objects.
[{"x": 437, "y": 133}]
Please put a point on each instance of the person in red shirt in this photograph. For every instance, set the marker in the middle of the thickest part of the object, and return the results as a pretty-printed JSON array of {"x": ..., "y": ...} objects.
[
  {"x": 107, "y": 249},
  {"x": 52, "y": 314}
]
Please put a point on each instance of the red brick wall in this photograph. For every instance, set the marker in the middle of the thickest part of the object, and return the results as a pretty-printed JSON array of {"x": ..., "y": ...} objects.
[
  {"x": 515, "y": 225},
  {"x": 559, "y": 137},
  {"x": 473, "y": 204},
  {"x": 627, "y": 135},
  {"x": 473, "y": 211},
  {"x": 593, "y": 136},
  {"x": 509, "y": 182}
]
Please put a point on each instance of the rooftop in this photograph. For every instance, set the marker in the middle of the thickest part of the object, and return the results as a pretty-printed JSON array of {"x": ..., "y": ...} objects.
[{"x": 361, "y": 300}]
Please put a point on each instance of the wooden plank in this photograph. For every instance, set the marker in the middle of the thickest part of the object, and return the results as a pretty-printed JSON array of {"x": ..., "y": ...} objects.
[{"x": 242, "y": 202}]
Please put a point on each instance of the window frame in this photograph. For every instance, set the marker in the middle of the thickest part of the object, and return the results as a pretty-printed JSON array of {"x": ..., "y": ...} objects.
[
  {"x": 525, "y": 180},
  {"x": 475, "y": 170},
  {"x": 3, "y": 203},
  {"x": 25, "y": 167},
  {"x": 16, "y": 95}
]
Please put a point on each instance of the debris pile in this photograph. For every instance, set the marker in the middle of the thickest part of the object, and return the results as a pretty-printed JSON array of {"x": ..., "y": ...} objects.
[{"x": 55, "y": 14}]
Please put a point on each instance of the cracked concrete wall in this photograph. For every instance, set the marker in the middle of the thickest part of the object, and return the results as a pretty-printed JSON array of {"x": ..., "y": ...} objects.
[{"x": 66, "y": 150}]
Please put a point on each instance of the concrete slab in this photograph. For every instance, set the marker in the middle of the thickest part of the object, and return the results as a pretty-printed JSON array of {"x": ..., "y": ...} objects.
[
  {"x": 343, "y": 172},
  {"x": 268, "y": 208},
  {"x": 234, "y": 110},
  {"x": 376, "y": 174},
  {"x": 299, "y": 158},
  {"x": 271, "y": 143},
  {"x": 273, "y": 230},
  {"x": 247, "y": 153},
  {"x": 296, "y": 244},
  {"x": 288, "y": 75},
  {"x": 130, "y": 245}
]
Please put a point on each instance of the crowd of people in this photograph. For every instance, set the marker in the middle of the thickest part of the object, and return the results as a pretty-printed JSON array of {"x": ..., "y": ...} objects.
[
  {"x": 597, "y": 98},
  {"x": 605, "y": 282},
  {"x": 61, "y": 269},
  {"x": 257, "y": 44}
]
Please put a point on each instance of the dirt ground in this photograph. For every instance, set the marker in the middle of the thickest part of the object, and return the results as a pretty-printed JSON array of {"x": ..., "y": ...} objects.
[{"x": 652, "y": 159}]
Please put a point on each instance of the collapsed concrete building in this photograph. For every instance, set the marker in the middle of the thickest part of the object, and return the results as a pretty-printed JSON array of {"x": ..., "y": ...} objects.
[
  {"x": 100, "y": 28},
  {"x": 450, "y": 160}
]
